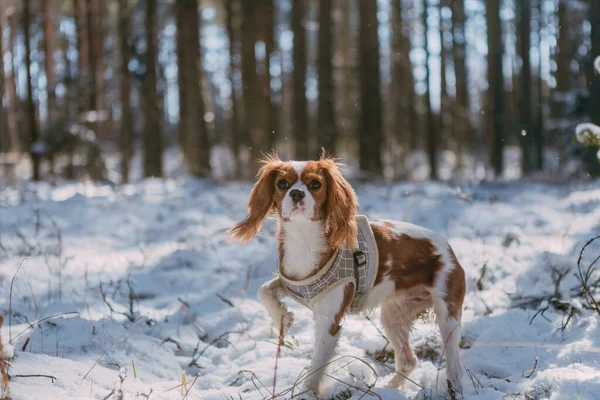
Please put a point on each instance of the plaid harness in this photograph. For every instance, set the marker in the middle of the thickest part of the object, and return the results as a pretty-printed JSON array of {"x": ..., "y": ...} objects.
[{"x": 357, "y": 266}]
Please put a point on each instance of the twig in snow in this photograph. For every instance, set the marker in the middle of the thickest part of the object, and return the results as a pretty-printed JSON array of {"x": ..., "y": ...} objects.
[
  {"x": 3, "y": 368},
  {"x": 111, "y": 346},
  {"x": 533, "y": 369},
  {"x": 53, "y": 378},
  {"x": 585, "y": 276},
  {"x": 12, "y": 282},
  {"x": 226, "y": 301},
  {"x": 278, "y": 353},
  {"x": 32, "y": 325}
]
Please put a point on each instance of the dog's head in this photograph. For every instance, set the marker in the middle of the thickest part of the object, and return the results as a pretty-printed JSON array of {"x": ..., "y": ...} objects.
[{"x": 302, "y": 191}]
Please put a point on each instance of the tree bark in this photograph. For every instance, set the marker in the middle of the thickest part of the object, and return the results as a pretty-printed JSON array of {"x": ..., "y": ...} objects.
[
  {"x": 233, "y": 35},
  {"x": 4, "y": 132},
  {"x": 403, "y": 92},
  {"x": 300, "y": 104},
  {"x": 15, "y": 114},
  {"x": 432, "y": 139},
  {"x": 31, "y": 114},
  {"x": 463, "y": 126},
  {"x": 540, "y": 127},
  {"x": 152, "y": 133},
  {"x": 192, "y": 107},
  {"x": 126, "y": 134},
  {"x": 266, "y": 33},
  {"x": 49, "y": 47},
  {"x": 254, "y": 129},
  {"x": 327, "y": 127},
  {"x": 83, "y": 61},
  {"x": 496, "y": 95},
  {"x": 592, "y": 163},
  {"x": 525, "y": 92},
  {"x": 563, "y": 58},
  {"x": 370, "y": 135},
  {"x": 445, "y": 118}
]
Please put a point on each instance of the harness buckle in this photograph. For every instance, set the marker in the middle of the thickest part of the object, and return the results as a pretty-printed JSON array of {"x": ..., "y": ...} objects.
[{"x": 359, "y": 258}]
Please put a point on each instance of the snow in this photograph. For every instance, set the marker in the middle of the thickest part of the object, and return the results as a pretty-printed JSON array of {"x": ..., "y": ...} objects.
[
  {"x": 588, "y": 134},
  {"x": 195, "y": 302}
]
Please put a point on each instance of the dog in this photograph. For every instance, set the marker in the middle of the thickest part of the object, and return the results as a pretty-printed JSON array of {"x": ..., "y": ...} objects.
[{"x": 417, "y": 270}]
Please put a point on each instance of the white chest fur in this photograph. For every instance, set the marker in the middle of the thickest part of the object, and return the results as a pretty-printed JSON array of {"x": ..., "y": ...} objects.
[{"x": 303, "y": 245}]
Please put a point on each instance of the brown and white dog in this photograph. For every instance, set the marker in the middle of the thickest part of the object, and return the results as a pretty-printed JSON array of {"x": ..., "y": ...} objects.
[{"x": 315, "y": 207}]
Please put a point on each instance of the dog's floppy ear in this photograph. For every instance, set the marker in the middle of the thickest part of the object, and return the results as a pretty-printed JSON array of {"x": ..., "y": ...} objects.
[
  {"x": 341, "y": 207},
  {"x": 260, "y": 202}
]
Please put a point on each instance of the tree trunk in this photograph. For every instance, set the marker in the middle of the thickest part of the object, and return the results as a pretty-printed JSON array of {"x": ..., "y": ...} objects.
[
  {"x": 15, "y": 114},
  {"x": 152, "y": 134},
  {"x": 445, "y": 125},
  {"x": 300, "y": 107},
  {"x": 326, "y": 108},
  {"x": 496, "y": 95},
  {"x": 539, "y": 129},
  {"x": 233, "y": 35},
  {"x": 83, "y": 61},
  {"x": 462, "y": 125},
  {"x": 403, "y": 85},
  {"x": 266, "y": 33},
  {"x": 4, "y": 132},
  {"x": 370, "y": 135},
  {"x": 432, "y": 140},
  {"x": 525, "y": 99},
  {"x": 49, "y": 47},
  {"x": 191, "y": 107},
  {"x": 31, "y": 115},
  {"x": 126, "y": 136},
  {"x": 592, "y": 163},
  {"x": 254, "y": 129},
  {"x": 563, "y": 58}
]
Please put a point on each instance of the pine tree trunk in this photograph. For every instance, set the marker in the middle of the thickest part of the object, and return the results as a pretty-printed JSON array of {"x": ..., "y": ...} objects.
[
  {"x": 525, "y": 99},
  {"x": 370, "y": 135},
  {"x": 402, "y": 92},
  {"x": 257, "y": 137},
  {"x": 445, "y": 125},
  {"x": 462, "y": 125},
  {"x": 152, "y": 133},
  {"x": 496, "y": 95},
  {"x": 233, "y": 35},
  {"x": 563, "y": 58},
  {"x": 326, "y": 108},
  {"x": 31, "y": 114},
  {"x": 4, "y": 132},
  {"x": 49, "y": 47},
  {"x": 126, "y": 132},
  {"x": 191, "y": 107},
  {"x": 592, "y": 162},
  {"x": 83, "y": 60},
  {"x": 300, "y": 106},
  {"x": 266, "y": 32},
  {"x": 540, "y": 126},
  {"x": 14, "y": 117},
  {"x": 429, "y": 121}
]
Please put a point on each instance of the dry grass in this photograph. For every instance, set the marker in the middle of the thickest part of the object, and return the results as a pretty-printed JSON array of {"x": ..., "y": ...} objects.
[{"x": 4, "y": 391}]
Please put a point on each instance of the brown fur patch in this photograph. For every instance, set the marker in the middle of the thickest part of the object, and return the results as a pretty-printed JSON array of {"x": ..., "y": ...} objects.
[
  {"x": 414, "y": 261},
  {"x": 455, "y": 288},
  {"x": 346, "y": 302}
]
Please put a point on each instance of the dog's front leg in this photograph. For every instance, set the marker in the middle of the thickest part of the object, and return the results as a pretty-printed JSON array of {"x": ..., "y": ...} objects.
[
  {"x": 270, "y": 295},
  {"x": 327, "y": 313}
]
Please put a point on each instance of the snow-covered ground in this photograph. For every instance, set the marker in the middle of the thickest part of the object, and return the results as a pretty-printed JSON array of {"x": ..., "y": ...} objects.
[{"x": 157, "y": 253}]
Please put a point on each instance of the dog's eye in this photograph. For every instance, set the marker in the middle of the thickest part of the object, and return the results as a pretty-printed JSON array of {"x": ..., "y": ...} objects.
[
  {"x": 314, "y": 185},
  {"x": 283, "y": 184}
]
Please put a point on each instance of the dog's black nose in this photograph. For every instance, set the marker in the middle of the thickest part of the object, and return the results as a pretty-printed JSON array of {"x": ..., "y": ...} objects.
[{"x": 297, "y": 195}]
